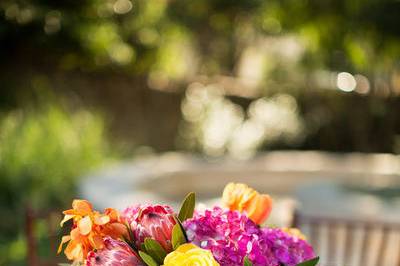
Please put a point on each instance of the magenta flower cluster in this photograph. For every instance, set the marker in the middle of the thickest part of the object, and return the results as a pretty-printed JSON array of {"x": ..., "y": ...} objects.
[{"x": 231, "y": 236}]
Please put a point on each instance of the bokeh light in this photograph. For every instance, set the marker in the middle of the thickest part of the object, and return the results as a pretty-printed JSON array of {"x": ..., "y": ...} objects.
[
  {"x": 222, "y": 127},
  {"x": 122, "y": 6},
  {"x": 346, "y": 82}
]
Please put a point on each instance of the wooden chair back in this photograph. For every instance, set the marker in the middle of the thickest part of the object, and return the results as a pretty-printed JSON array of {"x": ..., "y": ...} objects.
[
  {"x": 349, "y": 242},
  {"x": 43, "y": 235}
]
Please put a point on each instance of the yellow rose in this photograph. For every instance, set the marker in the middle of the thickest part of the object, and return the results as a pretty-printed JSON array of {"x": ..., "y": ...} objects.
[
  {"x": 294, "y": 232},
  {"x": 190, "y": 255}
]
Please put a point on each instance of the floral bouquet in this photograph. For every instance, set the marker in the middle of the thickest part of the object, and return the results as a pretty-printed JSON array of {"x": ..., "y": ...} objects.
[{"x": 155, "y": 235}]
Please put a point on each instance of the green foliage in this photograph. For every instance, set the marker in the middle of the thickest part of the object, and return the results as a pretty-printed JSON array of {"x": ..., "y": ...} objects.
[
  {"x": 311, "y": 262},
  {"x": 152, "y": 35},
  {"x": 178, "y": 236},
  {"x": 148, "y": 259},
  {"x": 280, "y": 46},
  {"x": 187, "y": 209},
  {"x": 155, "y": 250},
  {"x": 247, "y": 262},
  {"x": 42, "y": 152}
]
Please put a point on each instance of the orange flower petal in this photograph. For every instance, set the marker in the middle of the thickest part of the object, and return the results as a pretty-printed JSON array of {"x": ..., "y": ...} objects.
[
  {"x": 248, "y": 196},
  {"x": 67, "y": 217},
  {"x": 96, "y": 241},
  {"x": 69, "y": 212},
  {"x": 75, "y": 234},
  {"x": 228, "y": 194},
  {"x": 112, "y": 213},
  {"x": 74, "y": 251},
  {"x": 259, "y": 208},
  {"x": 101, "y": 219},
  {"x": 82, "y": 207},
  {"x": 241, "y": 197},
  {"x": 64, "y": 240},
  {"x": 237, "y": 196},
  {"x": 115, "y": 230},
  {"x": 119, "y": 228},
  {"x": 85, "y": 225}
]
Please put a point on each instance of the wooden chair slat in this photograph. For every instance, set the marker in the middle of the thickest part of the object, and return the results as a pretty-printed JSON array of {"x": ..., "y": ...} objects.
[
  {"x": 382, "y": 248},
  {"x": 51, "y": 220},
  {"x": 341, "y": 233},
  {"x": 323, "y": 241},
  {"x": 350, "y": 241}
]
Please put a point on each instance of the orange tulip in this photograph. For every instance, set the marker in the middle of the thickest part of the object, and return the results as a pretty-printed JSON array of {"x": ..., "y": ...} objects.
[
  {"x": 242, "y": 198},
  {"x": 89, "y": 228}
]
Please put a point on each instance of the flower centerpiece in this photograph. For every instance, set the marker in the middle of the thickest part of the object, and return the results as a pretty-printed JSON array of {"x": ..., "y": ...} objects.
[{"x": 228, "y": 235}]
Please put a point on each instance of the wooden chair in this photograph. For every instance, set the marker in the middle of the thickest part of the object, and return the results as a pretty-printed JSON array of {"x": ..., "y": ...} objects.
[
  {"x": 349, "y": 242},
  {"x": 49, "y": 220}
]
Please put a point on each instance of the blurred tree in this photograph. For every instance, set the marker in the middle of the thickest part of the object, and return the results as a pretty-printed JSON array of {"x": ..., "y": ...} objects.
[
  {"x": 352, "y": 35},
  {"x": 255, "y": 48},
  {"x": 42, "y": 153}
]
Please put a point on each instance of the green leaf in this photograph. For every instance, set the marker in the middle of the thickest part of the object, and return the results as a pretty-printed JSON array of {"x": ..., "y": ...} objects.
[
  {"x": 148, "y": 259},
  {"x": 182, "y": 228},
  {"x": 155, "y": 250},
  {"x": 187, "y": 208},
  {"x": 311, "y": 262},
  {"x": 178, "y": 236},
  {"x": 247, "y": 262},
  {"x": 131, "y": 239},
  {"x": 143, "y": 247}
]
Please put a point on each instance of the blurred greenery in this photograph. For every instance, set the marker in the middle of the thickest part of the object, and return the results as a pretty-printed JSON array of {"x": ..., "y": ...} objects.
[
  {"x": 42, "y": 152},
  {"x": 146, "y": 35},
  {"x": 134, "y": 59}
]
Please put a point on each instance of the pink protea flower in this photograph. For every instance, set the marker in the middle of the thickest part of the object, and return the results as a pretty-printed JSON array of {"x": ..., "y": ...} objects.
[
  {"x": 153, "y": 221},
  {"x": 114, "y": 253}
]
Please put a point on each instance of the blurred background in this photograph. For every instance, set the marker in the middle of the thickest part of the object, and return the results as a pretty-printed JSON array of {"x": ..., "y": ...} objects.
[{"x": 168, "y": 85}]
